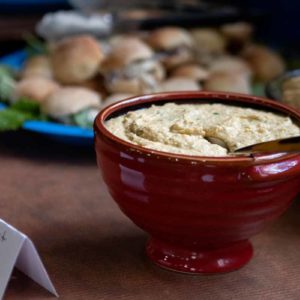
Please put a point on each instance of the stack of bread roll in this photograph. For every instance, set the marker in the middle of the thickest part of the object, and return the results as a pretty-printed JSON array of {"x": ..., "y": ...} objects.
[
  {"x": 291, "y": 91},
  {"x": 83, "y": 73}
]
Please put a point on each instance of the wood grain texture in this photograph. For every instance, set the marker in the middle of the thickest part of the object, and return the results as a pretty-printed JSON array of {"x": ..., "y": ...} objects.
[{"x": 54, "y": 193}]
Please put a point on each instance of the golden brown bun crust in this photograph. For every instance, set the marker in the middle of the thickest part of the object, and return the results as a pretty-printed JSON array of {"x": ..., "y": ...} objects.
[
  {"x": 96, "y": 84},
  {"x": 169, "y": 38},
  {"x": 230, "y": 64},
  {"x": 38, "y": 66},
  {"x": 125, "y": 52},
  {"x": 70, "y": 100},
  {"x": 265, "y": 63},
  {"x": 208, "y": 40},
  {"x": 192, "y": 71},
  {"x": 127, "y": 86},
  {"x": 291, "y": 83},
  {"x": 115, "y": 98},
  {"x": 137, "y": 85},
  {"x": 178, "y": 84},
  {"x": 35, "y": 88},
  {"x": 174, "y": 60},
  {"x": 292, "y": 97},
  {"x": 239, "y": 31},
  {"x": 76, "y": 59},
  {"x": 228, "y": 82}
]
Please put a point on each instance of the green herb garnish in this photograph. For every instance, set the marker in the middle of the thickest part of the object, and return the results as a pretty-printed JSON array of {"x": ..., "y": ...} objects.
[
  {"x": 13, "y": 117},
  {"x": 35, "y": 46},
  {"x": 26, "y": 106},
  {"x": 83, "y": 119},
  {"x": 7, "y": 83}
]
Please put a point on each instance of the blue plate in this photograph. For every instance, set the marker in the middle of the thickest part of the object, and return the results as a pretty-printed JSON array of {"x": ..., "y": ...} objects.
[{"x": 61, "y": 132}]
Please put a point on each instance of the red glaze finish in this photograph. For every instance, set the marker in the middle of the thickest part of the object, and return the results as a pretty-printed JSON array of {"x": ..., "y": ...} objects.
[{"x": 199, "y": 211}]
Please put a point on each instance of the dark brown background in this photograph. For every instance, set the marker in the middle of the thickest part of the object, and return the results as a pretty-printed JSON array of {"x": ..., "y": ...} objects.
[{"x": 54, "y": 194}]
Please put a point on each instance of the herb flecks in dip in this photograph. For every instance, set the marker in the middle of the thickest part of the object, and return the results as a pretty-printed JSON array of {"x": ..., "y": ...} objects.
[{"x": 187, "y": 128}]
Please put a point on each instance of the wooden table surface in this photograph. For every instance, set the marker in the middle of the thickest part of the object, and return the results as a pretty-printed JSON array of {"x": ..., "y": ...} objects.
[{"x": 54, "y": 193}]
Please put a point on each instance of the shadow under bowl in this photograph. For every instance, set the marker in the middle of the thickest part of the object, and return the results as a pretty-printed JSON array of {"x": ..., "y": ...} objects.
[{"x": 199, "y": 211}]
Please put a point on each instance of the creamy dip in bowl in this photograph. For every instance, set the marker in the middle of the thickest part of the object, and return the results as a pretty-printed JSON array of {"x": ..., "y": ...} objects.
[
  {"x": 192, "y": 129},
  {"x": 199, "y": 205}
]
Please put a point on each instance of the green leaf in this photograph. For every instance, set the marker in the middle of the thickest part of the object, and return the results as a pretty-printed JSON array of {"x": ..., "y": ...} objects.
[
  {"x": 82, "y": 119},
  {"x": 7, "y": 83},
  {"x": 35, "y": 46},
  {"x": 27, "y": 106},
  {"x": 12, "y": 119}
]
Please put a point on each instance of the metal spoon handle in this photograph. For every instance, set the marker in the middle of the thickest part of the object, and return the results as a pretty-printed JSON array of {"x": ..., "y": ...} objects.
[{"x": 283, "y": 145}]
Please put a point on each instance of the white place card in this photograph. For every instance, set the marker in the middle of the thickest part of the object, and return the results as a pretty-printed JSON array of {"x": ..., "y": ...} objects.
[{"x": 17, "y": 250}]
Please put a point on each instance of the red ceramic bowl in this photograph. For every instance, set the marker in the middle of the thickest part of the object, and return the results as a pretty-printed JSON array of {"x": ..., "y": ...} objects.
[{"x": 199, "y": 211}]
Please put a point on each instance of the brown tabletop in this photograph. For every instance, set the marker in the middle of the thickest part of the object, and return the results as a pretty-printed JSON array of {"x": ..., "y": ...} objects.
[{"x": 54, "y": 194}]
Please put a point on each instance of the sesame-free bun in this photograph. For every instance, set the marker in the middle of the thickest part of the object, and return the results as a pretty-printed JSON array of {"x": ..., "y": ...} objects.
[
  {"x": 37, "y": 66},
  {"x": 228, "y": 82},
  {"x": 130, "y": 67},
  {"x": 70, "y": 100},
  {"x": 125, "y": 52},
  {"x": 237, "y": 32},
  {"x": 96, "y": 84},
  {"x": 169, "y": 38},
  {"x": 191, "y": 71},
  {"x": 174, "y": 44},
  {"x": 292, "y": 97},
  {"x": 209, "y": 44},
  {"x": 76, "y": 59},
  {"x": 122, "y": 85},
  {"x": 34, "y": 88},
  {"x": 137, "y": 84},
  {"x": 291, "y": 83},
  {"x": 230, "y": 64},
  {"x": 265, "y": 63},
  {"x": 115, "y": 98},
  {"x": 177, "y": 84},
  {"x": 208, "y": 40}
]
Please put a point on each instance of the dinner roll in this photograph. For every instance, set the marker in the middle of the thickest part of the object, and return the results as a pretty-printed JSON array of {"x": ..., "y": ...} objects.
[
  {"x": 125, "y": 52},
  {"x": 167, "y": 38},
  {"x": 131, "y": 68},
  {"x": 174, "y": 44},
  {"x": 176, "y": 84},
  {"x": 96, "y": 84},
  {"x": 230, "y": 64},
  {"x": 76, "y": 59},
  {"x": 265, "y": 63},
  {"x": 228, "y": 82},
  {"x": 70, "y": 100},
  {"x": 292, "y": 97},
  {"x": 291, "y": 83},
  {"x": 34, "y": 88},
  {"x": 209, "y": 43},
  {"x": 237, "y": 34},
  {"x": 38, "y": 66},
  {"x": 115, "y": 98},
  {"x": 191, "y": 71}
]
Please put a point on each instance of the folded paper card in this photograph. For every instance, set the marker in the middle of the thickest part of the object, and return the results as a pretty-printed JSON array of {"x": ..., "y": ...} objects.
[{"x": 17, "y": 250}]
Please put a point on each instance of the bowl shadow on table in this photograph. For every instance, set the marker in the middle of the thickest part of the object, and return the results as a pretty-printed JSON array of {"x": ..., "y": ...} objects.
[
  {"x": 114, "y": 264},
  {"x": 119, "y": 259},
  {"x": 32, "y": 146},
  {"x": 117, "y": 262}
]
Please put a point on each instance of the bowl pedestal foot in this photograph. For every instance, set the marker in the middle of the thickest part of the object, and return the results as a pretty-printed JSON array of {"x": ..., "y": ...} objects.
[{"x": 199, "y": 261}]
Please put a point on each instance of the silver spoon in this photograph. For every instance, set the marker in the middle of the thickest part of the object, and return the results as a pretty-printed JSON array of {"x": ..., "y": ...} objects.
[{"x": 291, "y": 144}]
